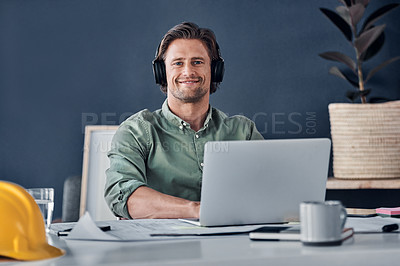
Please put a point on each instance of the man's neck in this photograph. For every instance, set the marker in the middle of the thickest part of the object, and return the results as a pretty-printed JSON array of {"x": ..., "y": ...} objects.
[{"x": 193, "y": 113}]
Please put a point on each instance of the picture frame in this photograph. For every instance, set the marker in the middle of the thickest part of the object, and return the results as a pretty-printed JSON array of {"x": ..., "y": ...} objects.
[{"x": 97, "y": 143}]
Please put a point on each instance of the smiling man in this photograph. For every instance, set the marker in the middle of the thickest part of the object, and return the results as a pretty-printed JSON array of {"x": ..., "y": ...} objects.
[{"x": 156, "y": 158}]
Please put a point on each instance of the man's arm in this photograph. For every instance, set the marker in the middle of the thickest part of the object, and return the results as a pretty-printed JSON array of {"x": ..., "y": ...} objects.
[
  {"x": 254, "y": 133},
  {"x": 126, "y": 191},
  {"x": 148, "y": 203}
]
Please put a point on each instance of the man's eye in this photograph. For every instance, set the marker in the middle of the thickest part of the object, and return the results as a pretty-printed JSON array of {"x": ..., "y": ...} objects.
[
  {"x": 178, "y": 63},
  {"x": 198, "y": 62}
]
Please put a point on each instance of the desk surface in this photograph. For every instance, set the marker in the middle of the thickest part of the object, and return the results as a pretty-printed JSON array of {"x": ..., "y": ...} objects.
[{"x": 363, "y": 249}]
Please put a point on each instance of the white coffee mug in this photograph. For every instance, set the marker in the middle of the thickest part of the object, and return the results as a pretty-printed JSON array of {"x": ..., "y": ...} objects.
[{"x": 322, "y": 223}]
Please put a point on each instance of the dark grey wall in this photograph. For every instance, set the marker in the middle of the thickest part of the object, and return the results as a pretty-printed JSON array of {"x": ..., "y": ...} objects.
[{"x": 65, "y": 64}]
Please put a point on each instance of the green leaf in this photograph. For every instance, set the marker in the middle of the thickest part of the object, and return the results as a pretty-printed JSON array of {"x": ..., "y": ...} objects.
[
  {"x": 339, "y": 22},
  {"x": 356, "y": 13},
  {"x": 336, "y": 72},
  {"x": 353, "y": 95},
  {"x": 339, "y": 57},
  {"x": 374, "y": 48},
  {"x": 363, "y": 2},
  {"x": 346, "y": 2},
  {"x": 363, "y": 41},
  {"x": 377, "y": 15},
  {"x": 376, "y": 69},
  {"x": 344, "y": 13}
]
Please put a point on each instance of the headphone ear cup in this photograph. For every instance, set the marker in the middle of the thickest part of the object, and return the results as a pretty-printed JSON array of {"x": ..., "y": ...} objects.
[
  {"x": 217, "y": 70},
  {"x": 159, "y": 72}
]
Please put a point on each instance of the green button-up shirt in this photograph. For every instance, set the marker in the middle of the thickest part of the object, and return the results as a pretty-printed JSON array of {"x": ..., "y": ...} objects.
[{"x": 160, "y": 150}]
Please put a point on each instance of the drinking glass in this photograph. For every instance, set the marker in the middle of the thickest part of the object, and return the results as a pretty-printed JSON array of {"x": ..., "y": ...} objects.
[{"x": 44, "y": 198}]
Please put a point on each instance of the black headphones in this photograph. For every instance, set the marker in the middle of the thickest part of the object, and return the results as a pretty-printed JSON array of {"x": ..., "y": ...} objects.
[{"x": 217, "y": 69}]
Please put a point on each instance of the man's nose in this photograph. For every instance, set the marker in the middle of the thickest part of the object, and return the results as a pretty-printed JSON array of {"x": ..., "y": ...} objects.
[{"x": 188, "y": 69}]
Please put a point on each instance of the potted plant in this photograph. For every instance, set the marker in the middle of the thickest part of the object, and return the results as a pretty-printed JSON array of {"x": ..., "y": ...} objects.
[{"x": 366, "y": 136}]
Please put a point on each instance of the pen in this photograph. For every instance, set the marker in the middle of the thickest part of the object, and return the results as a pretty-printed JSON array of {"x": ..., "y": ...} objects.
[
  {"x": 390, "y": 228},
  {"x": 66, "y": 231}
]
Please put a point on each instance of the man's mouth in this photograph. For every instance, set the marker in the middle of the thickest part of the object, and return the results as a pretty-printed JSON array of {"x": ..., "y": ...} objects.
[{"x": 189, "y": 81}]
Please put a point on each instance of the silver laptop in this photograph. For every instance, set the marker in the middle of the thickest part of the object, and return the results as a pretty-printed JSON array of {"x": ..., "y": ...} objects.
[{"x": 263, "y": 181}]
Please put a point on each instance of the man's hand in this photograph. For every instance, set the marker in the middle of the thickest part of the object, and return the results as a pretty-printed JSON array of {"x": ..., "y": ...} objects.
[{"x": 147, "y": 203}]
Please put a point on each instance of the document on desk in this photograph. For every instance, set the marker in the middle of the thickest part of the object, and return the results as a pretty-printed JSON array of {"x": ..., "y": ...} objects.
[
  {"x": 146, "y": 229},
  {"x": 371, "y": 224},
  {"x": 86, "y": 229}
]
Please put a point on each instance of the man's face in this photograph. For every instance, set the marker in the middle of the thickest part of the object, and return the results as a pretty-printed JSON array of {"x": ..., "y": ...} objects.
[{"x": 188, "y": 70}]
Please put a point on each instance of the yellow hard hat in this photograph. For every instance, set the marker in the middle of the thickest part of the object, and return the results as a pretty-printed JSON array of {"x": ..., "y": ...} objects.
[{"x": 22, "y": 230}]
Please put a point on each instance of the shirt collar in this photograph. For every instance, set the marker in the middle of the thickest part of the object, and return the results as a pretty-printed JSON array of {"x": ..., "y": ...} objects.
[{"x": 176, "y": 120}]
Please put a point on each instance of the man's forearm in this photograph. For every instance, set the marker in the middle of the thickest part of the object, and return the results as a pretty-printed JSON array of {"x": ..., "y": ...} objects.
[{"x": 147, "y": 203}]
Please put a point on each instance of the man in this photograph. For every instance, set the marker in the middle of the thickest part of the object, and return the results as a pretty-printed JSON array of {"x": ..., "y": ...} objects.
[{"x": 156, "y": 158}]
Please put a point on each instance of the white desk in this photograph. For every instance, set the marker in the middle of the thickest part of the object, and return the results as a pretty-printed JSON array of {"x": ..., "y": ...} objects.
[{"x": 363, "y": 249}]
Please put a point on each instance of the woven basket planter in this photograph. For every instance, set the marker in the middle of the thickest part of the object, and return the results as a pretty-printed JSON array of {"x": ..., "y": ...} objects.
[{"x": 365, "y": 140}]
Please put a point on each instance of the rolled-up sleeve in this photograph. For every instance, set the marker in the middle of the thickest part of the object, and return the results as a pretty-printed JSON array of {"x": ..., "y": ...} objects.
[
  {"x": 127, "y": 170},
  {"x": 254, "y": 133}
]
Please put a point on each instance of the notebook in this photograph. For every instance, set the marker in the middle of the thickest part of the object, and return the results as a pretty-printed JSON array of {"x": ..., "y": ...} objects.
[{"x": 261, "y": 181}]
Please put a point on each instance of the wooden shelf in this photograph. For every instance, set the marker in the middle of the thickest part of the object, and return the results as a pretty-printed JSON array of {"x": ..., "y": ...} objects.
[{"x": 334, "y": 183}]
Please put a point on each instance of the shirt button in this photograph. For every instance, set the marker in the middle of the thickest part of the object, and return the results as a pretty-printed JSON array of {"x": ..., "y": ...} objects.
[
  {"x": 202, "y": 164},
  {"x": 197, "y": 136},
  {"x": 180, "y": 127}
]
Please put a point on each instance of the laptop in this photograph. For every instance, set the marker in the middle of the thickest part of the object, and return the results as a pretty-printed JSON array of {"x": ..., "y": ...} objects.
[{"x": 261, "y": 181}]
